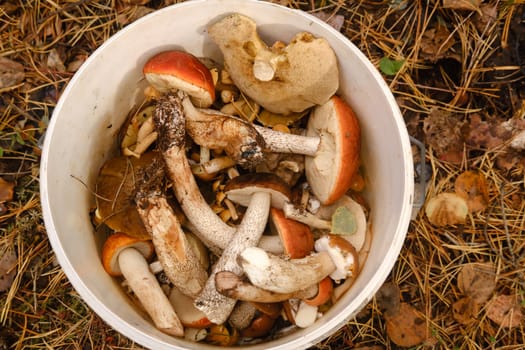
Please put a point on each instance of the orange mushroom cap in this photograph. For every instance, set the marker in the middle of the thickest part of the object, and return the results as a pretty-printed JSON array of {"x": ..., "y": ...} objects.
[
  {"x": 179, "y": 70},
  {"x": 116, "y": 243},
  {"x": 296, "y": 237},
  {"x": 330, "y": 172}
]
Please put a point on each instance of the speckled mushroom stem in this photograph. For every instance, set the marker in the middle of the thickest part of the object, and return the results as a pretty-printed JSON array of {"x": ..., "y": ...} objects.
[
  {"x": 281, "y": 142},
  {"x": 179, "y": 262},
  {"x": 215, "y": 305},
  {"x": 235, "y": 287}
]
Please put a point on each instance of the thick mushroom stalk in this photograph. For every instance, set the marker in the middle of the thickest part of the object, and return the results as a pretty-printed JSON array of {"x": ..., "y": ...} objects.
[
  {"x": 125, "y": 255},
  {"x": 215, "y": 130},
  {"x": 335, "y": 257},
  {"x": 282, "y": 79},
  {"x": 180, "y": 263},
  {"x": 215, "y": 305},
  {"x": 233, "y": 286}
]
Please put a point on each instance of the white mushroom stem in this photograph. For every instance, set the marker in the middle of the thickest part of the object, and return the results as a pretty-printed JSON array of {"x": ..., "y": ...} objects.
[
  {"x": 282, "y": 142},
  {"x": 216, "y": 306},
  {"x": 234, "y": 287},
  {"x": 147, "y": 289},
  {"x": 304, "y": 216},
  {"x": 279, "y": 275},
  {"x": 180, "y": 264},
  {"x": 335, "y": 257}
]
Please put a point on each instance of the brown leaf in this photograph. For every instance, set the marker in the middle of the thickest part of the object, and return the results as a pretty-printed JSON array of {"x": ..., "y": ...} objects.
[
  {"x": 465, "y": 310},
  {"x": 6, "y": 190},
  {"x": 444, "y": 133},
  {"x": 505, "y": 311},
  {"x": 436, "y": 43},
  {"x": 11, "y": 73},
  {"x": 388, "y": 298},
  {"x": 54, "y": 62},
  {"x": 472, "y": 186},
  {"x": 336, "y": 21},
  {"x": 406, "y": 327},
  {"x": 478, "y": 281},
  {"x": 471, "y": 5},
  {"x": 485, "y": 17},
  {"x": 7, "y": 268},
  {"x": 446, "y": 209}
]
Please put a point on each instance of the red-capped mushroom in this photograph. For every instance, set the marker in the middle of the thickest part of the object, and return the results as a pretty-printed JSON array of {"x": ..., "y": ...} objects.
[
  {"x": 331, "y": 146},
  {"x": 179, "y": 70},
  {"x": 173, "y": 71},
  {"x": 122, "y": 254}
]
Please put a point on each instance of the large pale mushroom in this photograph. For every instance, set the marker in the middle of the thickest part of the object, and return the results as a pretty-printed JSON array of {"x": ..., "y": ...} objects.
[
  {"x": 125, "y": 255},
  {"x": 235, "y": 287},
  {"x": 282, "y": 79}
]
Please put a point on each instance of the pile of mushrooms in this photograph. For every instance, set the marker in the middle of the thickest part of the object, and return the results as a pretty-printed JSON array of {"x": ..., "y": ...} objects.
[{"x": 235, "y": 204}]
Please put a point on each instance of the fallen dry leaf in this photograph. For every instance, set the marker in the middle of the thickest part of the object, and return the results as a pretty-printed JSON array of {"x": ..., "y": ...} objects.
[
  {"x": 478, "y": 281},
  {"x": 6, "y": 190},
  {"x": 11, "y": 73},
  {"x": 406, "y": 327},
  {"x": 446, "y": 209},
  {"x": 505, "y": 310},
  {"x": 471, "y": 5},
  {"x": 444, "y": 133},
  {"x": 7, "y": 268},
  {"x": 485, "y": 17},
  {"x": 465, "y": 310},
  {"x": 336, "y": 21},
  {"x": 388, "y": 298},
  {"x": 472, "y": 186},
  {"x": 436, "y": 43},
  {"x": 54, "y": 62}
]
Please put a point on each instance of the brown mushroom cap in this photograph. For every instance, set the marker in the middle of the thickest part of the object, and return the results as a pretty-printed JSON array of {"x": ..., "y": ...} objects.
[
  {"x": 179, "y": 70},
  {"x": 330, "y": 171},
  {"x": 116, "y": 243},
  {"x": 240, "y": 188},
  {"x": 116, "y": 190},
  {"x": 296, "y": 237}
]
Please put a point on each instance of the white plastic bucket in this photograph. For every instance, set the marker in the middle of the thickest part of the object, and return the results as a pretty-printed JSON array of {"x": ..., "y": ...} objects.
[{"x": 82, "y": 134}]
